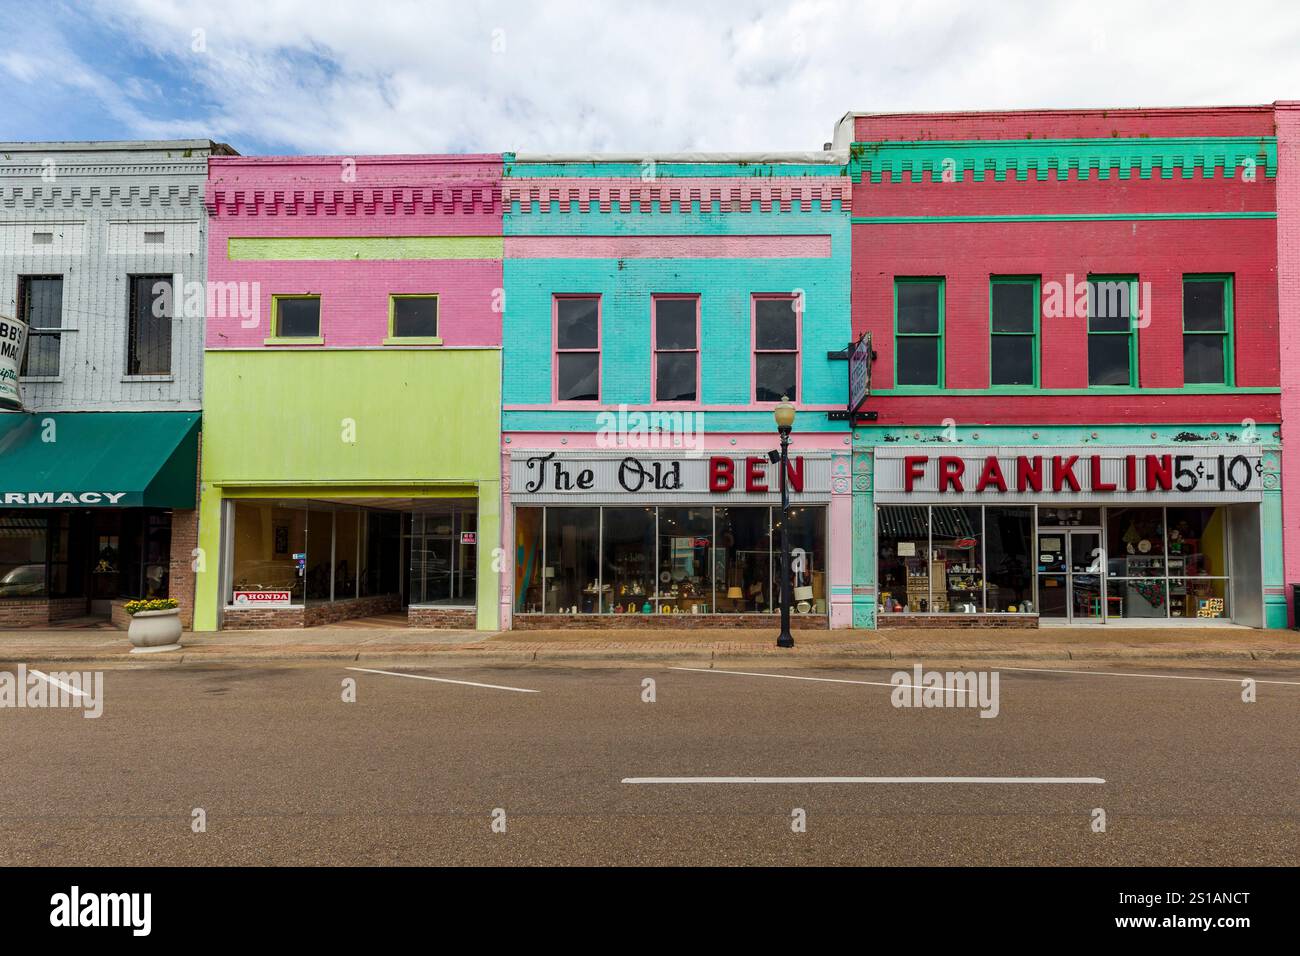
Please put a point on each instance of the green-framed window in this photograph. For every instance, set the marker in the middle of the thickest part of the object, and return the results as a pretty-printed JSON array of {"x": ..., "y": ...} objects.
[
  {"x": 295, "y": 317},
  {"x": 413, "y": 319},
  {"x": 1014, "y": 314},
  {"x": 1112, "y": 331},
  {"x": 918, "y": 331},
  {"x": 1207, "y": 330}
]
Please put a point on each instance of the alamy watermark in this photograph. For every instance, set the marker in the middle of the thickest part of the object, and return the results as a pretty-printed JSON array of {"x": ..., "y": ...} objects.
[
  {"x": 923, "y": 689},
  {"x": 675, "y": 430},
  {"x": 33, "y": 689}
]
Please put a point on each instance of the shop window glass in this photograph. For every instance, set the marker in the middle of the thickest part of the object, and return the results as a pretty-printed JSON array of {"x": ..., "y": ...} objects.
[
  {"x": 903, "y": 569},
  {"x": 1009, "y": 564},
  {"x": 1198, "y": 566},
  {"x": 743, "y": 560},
  {"x": 415, "y": 316},
  {"x": 956, "y": 559},
  {"x": 320, "y": 560},
  {"x": 22, "y": 555},
  {"x": 572, "y": 560},
  {"x": 1136, "y": 538},
  {"x": 346, "y": 540},
  {"x": 297, "y": 316},
  {"x": 685, "y": 579},
  {"x": 528, "y": 560},
  {"x": 381, "y": 553},
  {"x": 808, "y": 558},
  {"x": 628, "y": 574},
  {"x": 267, "y": 540}
]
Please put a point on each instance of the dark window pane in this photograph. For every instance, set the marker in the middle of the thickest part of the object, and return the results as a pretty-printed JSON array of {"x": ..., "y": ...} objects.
[
  {"x": 42, "y": 355},
  {"x": 774, "y": 376},
  {"x": 1109, "y": 305},
  {"x": 41, "y": 303},
  {"x": 675, "y": 323},
  {"x": 579, "y": 376},
  {"x": 149, "y": 338},
  {"x": 298, "y": 318},
  {"x": 775, "y": 326},
  {"x": 577, "y": 323},
  {"x": 675, "y": 376},
  {"x": 415, "y": 316},
  {"x": 1203, "y": 359},
  {"x": 1013, "y": 360},
  {"x": 1013, "y": 307},
  {"x": 918, "y": 361},
  {"x": 918, "y": 307},
  {"x": 1108, "y": 360},
  {"x": 1203, "y": 306}
]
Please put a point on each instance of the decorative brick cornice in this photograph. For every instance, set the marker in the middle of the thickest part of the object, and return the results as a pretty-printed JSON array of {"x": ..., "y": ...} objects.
[
  {"x": 1057, "y": 159},
  {"x": 712, "y": 195},
  {"x": 460, "y": 199},
  {"x": 63, "y": 196}
]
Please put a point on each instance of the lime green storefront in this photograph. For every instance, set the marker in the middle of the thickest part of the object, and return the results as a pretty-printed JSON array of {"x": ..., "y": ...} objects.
[{"x": 349, "y": 483}]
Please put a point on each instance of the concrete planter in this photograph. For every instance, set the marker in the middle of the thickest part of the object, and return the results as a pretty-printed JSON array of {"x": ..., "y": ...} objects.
[{"x": 153, "y": 631}]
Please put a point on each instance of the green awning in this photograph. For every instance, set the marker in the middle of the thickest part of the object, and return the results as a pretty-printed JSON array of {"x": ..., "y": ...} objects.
[{"x": 98, "y": 459}]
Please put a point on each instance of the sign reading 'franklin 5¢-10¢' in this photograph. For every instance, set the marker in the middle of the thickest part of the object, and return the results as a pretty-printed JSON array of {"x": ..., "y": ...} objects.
[{"x": 13, "y": 339}]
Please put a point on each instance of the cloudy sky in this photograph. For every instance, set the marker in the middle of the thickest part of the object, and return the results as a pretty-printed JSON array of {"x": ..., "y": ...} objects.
[{"x": 328, "y": 76}]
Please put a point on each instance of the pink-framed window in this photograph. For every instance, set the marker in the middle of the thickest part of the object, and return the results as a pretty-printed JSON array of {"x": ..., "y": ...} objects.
[
  {"x": 576, "y": 368},
  {"x": 676, "y": 322},
  {"x": 777, "y": 337}
]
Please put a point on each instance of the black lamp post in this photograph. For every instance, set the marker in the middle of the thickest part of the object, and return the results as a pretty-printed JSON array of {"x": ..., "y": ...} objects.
[{"x": 784, "y": 414}]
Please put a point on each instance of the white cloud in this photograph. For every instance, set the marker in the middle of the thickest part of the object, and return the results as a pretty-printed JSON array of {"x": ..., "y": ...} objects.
[{"x": 669, "y": 75}]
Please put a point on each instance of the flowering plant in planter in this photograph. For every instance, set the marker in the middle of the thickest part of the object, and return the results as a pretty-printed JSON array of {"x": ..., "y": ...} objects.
[{"x": 156, "y": 604}]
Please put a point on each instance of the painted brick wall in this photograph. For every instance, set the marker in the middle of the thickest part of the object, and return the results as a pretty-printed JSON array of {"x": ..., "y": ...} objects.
[
  {"x": 702, "y": 237},
  {"x": 1288, "y": 256},
  {"x": 315, "y": 197},
  {"x": 1054, "y": 124},
  {"x": 96, "y": 200}
]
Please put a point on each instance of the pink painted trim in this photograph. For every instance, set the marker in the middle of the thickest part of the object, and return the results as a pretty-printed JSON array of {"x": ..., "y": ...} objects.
[
  {"x": 668, "y": 247},
  {"x": 738, "y": 194},
  {"x": 556, "y": 351},
  {"x": 656, "y": 297},
  {"x": 754, "y": 299},
  {"x": 715, "y": 442}
]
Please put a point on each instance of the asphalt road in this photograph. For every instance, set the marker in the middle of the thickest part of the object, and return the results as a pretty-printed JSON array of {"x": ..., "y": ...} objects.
[{"x": 286, "y": 772}]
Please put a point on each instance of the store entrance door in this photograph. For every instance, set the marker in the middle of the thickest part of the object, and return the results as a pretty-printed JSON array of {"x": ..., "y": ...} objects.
[{"x": 1070, "y": 576}]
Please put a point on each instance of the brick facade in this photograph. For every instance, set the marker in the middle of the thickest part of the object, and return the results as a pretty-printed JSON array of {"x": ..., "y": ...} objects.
[
  {"x": 610, "y": 622},
  {"x": 443, "y": 617},
  {"x": 40, "y": 612},
  {"x": 312, "y": 615}
]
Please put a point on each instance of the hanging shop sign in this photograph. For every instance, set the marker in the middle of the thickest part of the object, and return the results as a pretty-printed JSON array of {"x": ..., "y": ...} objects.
[
  {"x": 859, "y": 372},
  {"x": 605, "y": 477},
  {"x": 1208, "y": 473},
  {"x": 13, "y": 340}
]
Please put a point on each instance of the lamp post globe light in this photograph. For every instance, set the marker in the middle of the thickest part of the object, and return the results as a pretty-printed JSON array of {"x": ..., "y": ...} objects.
[{"x": 784, "y": 415}]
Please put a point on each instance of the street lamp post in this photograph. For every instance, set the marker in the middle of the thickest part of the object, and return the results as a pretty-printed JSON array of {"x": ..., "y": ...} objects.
[{"x": 784, "y": 414}]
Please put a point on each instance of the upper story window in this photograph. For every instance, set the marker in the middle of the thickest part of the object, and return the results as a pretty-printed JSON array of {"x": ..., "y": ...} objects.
[
  {"x": 1112, "y": 331},
  {"x": 577, "y": 348},
  {"x": 295, "y": 317},
  {"x": 918, "y": 331},
  {"x": 413, "y": 318},
  {"x": 1013, "y": 324},
  {"x": 677, "y": 348},
  {"x": 1207, "y": 330},
  {"x": 40, "y": 305},
  {"x": 149, "y": 326},
  {"x": 776, "y": 348}
]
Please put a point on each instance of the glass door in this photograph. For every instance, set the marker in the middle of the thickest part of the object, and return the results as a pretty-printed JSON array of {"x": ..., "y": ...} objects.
[{"x": 1070, "y": 575}]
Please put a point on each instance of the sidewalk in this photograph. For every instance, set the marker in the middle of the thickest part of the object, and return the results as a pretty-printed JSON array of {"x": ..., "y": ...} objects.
[{"x": 411, "y": 646}]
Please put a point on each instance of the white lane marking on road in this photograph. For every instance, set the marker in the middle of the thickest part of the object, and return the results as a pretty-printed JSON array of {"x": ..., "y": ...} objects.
[
  {"x": 1230, "y": 680},
  {"x": 57, "y": 683},
  {"x": 446, "y": 680},
  {"x": 823, "y": 680},
  {"x": 904, "y": 780}
]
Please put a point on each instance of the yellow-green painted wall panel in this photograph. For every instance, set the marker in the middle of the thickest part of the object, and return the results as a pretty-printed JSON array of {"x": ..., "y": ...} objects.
[{"x": 327, "y": 248}]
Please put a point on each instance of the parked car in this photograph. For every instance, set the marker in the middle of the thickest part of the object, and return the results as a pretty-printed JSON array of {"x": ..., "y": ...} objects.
[{"x": 26, "y": 580}]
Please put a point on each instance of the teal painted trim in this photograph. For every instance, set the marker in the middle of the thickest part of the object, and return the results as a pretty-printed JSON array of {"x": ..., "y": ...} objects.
[
  {"x": 913, "y": 391},
  {"x": 1042, "y": 157},
  {"x": 1062, "y": 217},
  {"x": 582, "y": 421},
  {"x": 709, "y": 221},
  {"x": 1164, "y": 435},
  {"x": 662, "y": 170}
]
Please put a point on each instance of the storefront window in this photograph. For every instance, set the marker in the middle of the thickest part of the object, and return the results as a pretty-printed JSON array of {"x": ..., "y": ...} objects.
[
  {"x": 22, "y": 555},
  {"x": 346, "y": 538},
  {"x": 629, "y": 559},
  {"x": 267, "y": 537},
  {"x": 903, "y": 534},
  {"x": 685, "y": 560},
  {"x": 528, "y": 559},
  {"x": 320, "y": 558},
  {"x": 443, "y": 549},
  {"x": 381, "y": 557},
  {"x": 1009, "y": 570},
  {"x": 572, "y": 560},
  {"x": 956, "y": 559},
  {"x": 744, "y": 557},
  {"x": 808, "y": 558}
]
